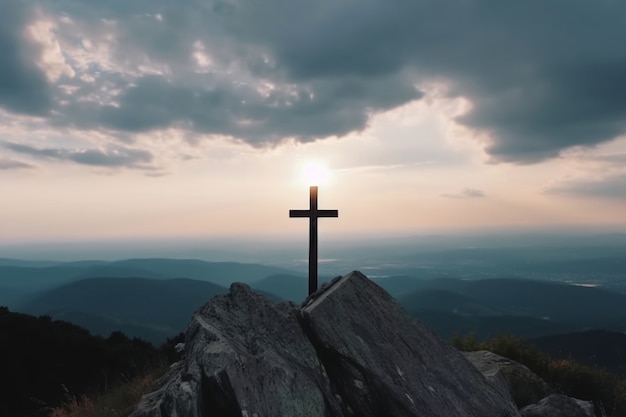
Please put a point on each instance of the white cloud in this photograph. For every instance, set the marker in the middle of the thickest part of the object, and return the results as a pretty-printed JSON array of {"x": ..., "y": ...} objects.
[{"x": 52, "y": 61}]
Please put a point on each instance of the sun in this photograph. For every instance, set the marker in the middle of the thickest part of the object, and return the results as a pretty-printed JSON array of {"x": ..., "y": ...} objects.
[{"x": 315, "y": 173}]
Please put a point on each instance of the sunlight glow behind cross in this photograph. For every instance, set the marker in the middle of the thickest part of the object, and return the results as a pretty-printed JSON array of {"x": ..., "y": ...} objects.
[{"x": 315, "y": 173}]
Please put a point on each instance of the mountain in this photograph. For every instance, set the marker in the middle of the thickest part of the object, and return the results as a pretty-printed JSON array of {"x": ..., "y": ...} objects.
[
  {"x": 29, "y": 277},
  {"x": 556, "y": 301},
  {"x": 295, "y": 287},
  {"x": 106, "y": 325},
  {"x": 444, "y": 300},
  {"x": 523, "y": 307},
  {"x": 222, "y": 273},
  {"x": 25, "y": 278},
  {"x": 20, "y": 262},
  {"x": 287, "y": 287},
  {"x": 400, "y": 285},
  {"x": 447, "y": 324},
  {"x": 11, "y": 297},
  {"x": 155, "y": 306},
  {"x": 142, "y": 307}
]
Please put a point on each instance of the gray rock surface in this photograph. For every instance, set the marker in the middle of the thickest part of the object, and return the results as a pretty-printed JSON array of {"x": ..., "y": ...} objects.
[
  {"x": 351, "y": 350},
  {"x": 244, "y": 356},
  {"x": 383, "y": 362},
  {"x": 524, "y": 386},
  {"x": 557, "y": 405}
]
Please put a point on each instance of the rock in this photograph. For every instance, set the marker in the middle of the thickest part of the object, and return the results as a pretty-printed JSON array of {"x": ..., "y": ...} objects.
[
  {"x": 351, "y": 350},
  {"x": 557, "y": 405},
  {"x": 524, "y": 386},
  {"x": 383, "y": 362},
  {"x": 244, "y": 356}
]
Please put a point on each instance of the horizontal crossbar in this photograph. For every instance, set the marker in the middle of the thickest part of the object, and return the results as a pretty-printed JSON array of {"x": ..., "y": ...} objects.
[{"x": 318, "y": 213}]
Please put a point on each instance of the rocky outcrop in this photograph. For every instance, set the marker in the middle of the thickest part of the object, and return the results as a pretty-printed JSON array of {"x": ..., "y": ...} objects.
[
  {"x": 524, "y": 386},
  {"x": 244, "y": 356},
  {"x": 559, "y": 406},
  {"x": 350, "y": 350},
  {"x": 382, "y": 362}
]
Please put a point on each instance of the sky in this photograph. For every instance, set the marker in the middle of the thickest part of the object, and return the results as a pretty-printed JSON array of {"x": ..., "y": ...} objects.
[{"x": 191, "y": 119}]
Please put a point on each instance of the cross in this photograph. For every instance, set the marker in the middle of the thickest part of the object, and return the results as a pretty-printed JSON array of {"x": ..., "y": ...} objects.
[{"x": 313, "y": 214}]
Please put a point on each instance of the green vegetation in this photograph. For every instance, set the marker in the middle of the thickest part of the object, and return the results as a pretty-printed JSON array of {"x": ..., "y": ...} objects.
[
  {"x": 597, "y": 347},
  {"x": 565, "y": 376},
  {"x": 44, "y": 360},
  {"x": 117, "y": 402}
]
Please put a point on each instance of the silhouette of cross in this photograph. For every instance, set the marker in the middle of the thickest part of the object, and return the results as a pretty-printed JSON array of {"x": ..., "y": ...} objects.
[{"x": 313, "y": 214}]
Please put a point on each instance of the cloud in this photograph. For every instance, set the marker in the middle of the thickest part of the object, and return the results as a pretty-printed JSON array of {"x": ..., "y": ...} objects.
[
  {"x": 259, "y": 117},
  {"x": 6, "y": 164},
  {"x": 112, "y": 158},
  {"x": 611, "y": 159},
  {"x": 381, "y": 167},
  {"x": 23, "y": 86},
  {"x": 467, "y": 193},
  {"x": 541, "y": 77},
  {"x": 610, "y": 187}
]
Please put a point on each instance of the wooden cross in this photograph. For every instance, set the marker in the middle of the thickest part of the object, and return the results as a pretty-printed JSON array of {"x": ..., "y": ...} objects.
[{"x": 313, "y": 214}]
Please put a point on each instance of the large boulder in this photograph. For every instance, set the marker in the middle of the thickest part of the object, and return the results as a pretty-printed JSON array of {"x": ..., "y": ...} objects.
[
  {"x": 383, "y": 362},
  {"x": 557, "y": 405},
  {"x": 524, "y": 386},
  {"x": 244, "y": 356},
  {"x": 350, "y": 350}
]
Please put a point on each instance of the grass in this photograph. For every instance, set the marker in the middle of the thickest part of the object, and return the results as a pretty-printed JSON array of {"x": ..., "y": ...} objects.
[
  {"x": 565, "y": 376},
  {"x": 119, "y": 401}
]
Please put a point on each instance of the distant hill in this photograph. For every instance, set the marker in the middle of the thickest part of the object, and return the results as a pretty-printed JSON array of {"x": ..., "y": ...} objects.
[
  {"x": 524, "y": 307},
  {"x": 591, "y": 266},
  {"x": 288, "y": 287},
  {"x": 106, "y": 325},
  {"x": 28, "y": 278},
  {"x": 31, "y": 278},
  {"x": 594, "y": 347},
  {"x": 448, "y": 324},
  {"x": 20, "y": 262},
  {"x": 400, "y": 285},
  {"x": 444, "y": 300},
  {"x": 222, "y": 273},
  {"x": 556, "y": 301},
  {"x": 12, "y": 297},
  {"x": 295, "y": 287},
  {"x": 142, "y": 307}
]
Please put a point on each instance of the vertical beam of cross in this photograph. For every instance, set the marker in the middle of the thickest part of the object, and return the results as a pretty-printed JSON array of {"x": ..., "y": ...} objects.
[{"x": 313, "y": 214}]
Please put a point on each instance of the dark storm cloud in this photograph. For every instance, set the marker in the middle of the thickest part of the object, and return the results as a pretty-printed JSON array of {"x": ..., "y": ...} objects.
[
  {"x": 23, "y": 87},
  {"x": 326, "y": 108},
  {"x": 612, "y": 187},
  {"x": 468, "y": 193},
  {"x": 542, "y": 76},
  {"x": 6, "y": 164},
  {"x": 231, "y": 98},
  {"x": 119, "y": 157}
]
